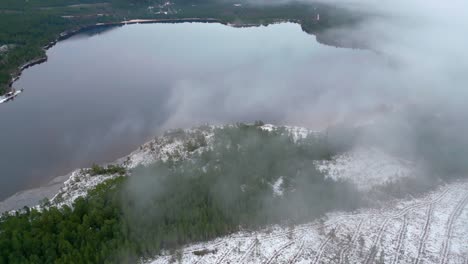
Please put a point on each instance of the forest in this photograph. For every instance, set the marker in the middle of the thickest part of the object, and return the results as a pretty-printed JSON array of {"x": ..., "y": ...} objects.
[
  {"x": 159, "y": 208},
  {"x": 225, "y": 185}
]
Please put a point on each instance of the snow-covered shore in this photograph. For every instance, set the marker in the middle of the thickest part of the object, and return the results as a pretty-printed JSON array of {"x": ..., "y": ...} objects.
[
  {"x": 365, "y": 167},
  {"x": 65, "y": 189}
]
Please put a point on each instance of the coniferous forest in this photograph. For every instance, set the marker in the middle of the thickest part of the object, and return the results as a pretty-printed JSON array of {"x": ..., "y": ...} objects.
[{"x": 220, "y": 189}]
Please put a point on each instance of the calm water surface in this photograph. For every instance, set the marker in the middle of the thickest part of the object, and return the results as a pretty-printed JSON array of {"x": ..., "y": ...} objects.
[{"x": 101, "y": 95}]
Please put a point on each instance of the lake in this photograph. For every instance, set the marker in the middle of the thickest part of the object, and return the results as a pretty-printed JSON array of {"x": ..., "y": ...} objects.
[{"x": 103, "y": 93}]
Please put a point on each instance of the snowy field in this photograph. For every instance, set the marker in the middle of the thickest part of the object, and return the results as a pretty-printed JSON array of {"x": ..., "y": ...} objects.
[
  {"x": 366, "y": 167},
  {"x": 430, "y": 229}
]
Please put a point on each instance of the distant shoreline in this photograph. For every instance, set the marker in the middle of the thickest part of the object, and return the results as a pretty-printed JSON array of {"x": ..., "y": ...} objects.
[{"x": 69, "y": 33}]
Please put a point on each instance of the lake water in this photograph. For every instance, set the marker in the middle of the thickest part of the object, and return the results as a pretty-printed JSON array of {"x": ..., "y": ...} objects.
[{"x": 101, "y": 94}]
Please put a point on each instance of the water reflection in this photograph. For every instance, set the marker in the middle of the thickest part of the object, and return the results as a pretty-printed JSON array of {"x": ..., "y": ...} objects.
[{"x": 100, "y": 96}]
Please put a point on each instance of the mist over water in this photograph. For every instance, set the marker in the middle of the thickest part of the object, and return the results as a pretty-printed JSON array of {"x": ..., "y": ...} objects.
[
  {"x": 99, "y": 96},
  {"x": 425, "y": 43}
]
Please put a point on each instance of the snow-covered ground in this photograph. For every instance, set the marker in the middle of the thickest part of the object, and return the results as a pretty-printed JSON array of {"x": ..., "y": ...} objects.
[
  {"x": 170, "y": 145},
  {"x": 78, "y": 185},
  {"x": 430, "y": 229},
  {"x": 6, "y": 98},
  {"x": 278, "y": 186},
  {"x": 366, "y": 167},
  {"x": 160, "y": 148},
  {"x": 295, "y": 132}
]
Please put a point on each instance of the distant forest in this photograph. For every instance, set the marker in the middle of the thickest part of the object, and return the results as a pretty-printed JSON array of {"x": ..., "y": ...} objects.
[{"x": 28, "y": 26}]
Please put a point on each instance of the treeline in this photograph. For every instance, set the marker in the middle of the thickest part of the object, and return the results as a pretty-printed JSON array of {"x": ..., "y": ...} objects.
[
  {"x": 26, "y": 34},
  {"x": 28, "y": 26},
  {"x": 166, "y": 205}
]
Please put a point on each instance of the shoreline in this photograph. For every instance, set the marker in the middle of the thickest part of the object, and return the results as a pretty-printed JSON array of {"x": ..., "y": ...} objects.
[
  {"x": 69, "y": 33},
  {"x": 58, "y": 186},
  {"x": 160, "y": 147},
  {"x": 32, "y": 197}
]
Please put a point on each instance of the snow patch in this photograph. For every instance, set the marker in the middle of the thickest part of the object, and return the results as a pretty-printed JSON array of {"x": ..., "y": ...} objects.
[
  {"x": 278, "y": 186},
  {"x": 366, "y": 167},
  {"x": 77, "y": 186},
  {"x": 297, "y": 133}
]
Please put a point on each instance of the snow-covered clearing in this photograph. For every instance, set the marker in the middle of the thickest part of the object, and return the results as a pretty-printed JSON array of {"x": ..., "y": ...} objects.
[
  {"x": 430, "y": 229},
  {"x": 278, "y": 186},
  {"x": 366, "y": 167},
  {"x": 295, "y": 132}
]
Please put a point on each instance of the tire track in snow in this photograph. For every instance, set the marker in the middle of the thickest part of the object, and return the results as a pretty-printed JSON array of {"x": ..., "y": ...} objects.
[
  {"x": 248, "y": 251},
  {"x": 269, "y": 238},
  {"x": 422, "y": 242},
  {"x": 222, "y": 257},
  {"x": 448, "y": 234},
  {"x": 298, "y": 253},
  {"x": 401, "y": 237},
  {"x": 252, "y": 245},
  {"x": 344, "y": 252},
  {"x": 200, "y": 261},
  {"x": 320, "y": 250},
  {"x": 278, "y": 252},
  {"x": 337, "y": 220},
  {"x": 421, "y": 204},
  {"x": 280, "y": 235},
  {"x": 322, "y": 246},
  {"x": 376, "y": 242},
  {"x": 399, "y": 214}
]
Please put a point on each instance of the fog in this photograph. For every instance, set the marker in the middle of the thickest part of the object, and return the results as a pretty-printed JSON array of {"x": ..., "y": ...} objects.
[
  {"x": 416, "y": 60},
  {"x": 425, "y": 46},
  {"x": 409, "y": 83},
  {"x": 421, "y": 59},
  {"x": 425, "y": 42},
  {"x": 415, "y": 68}
]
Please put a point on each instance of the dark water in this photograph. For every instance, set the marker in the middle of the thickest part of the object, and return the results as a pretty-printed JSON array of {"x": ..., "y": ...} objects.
[{"x": 101, "y": 95}]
